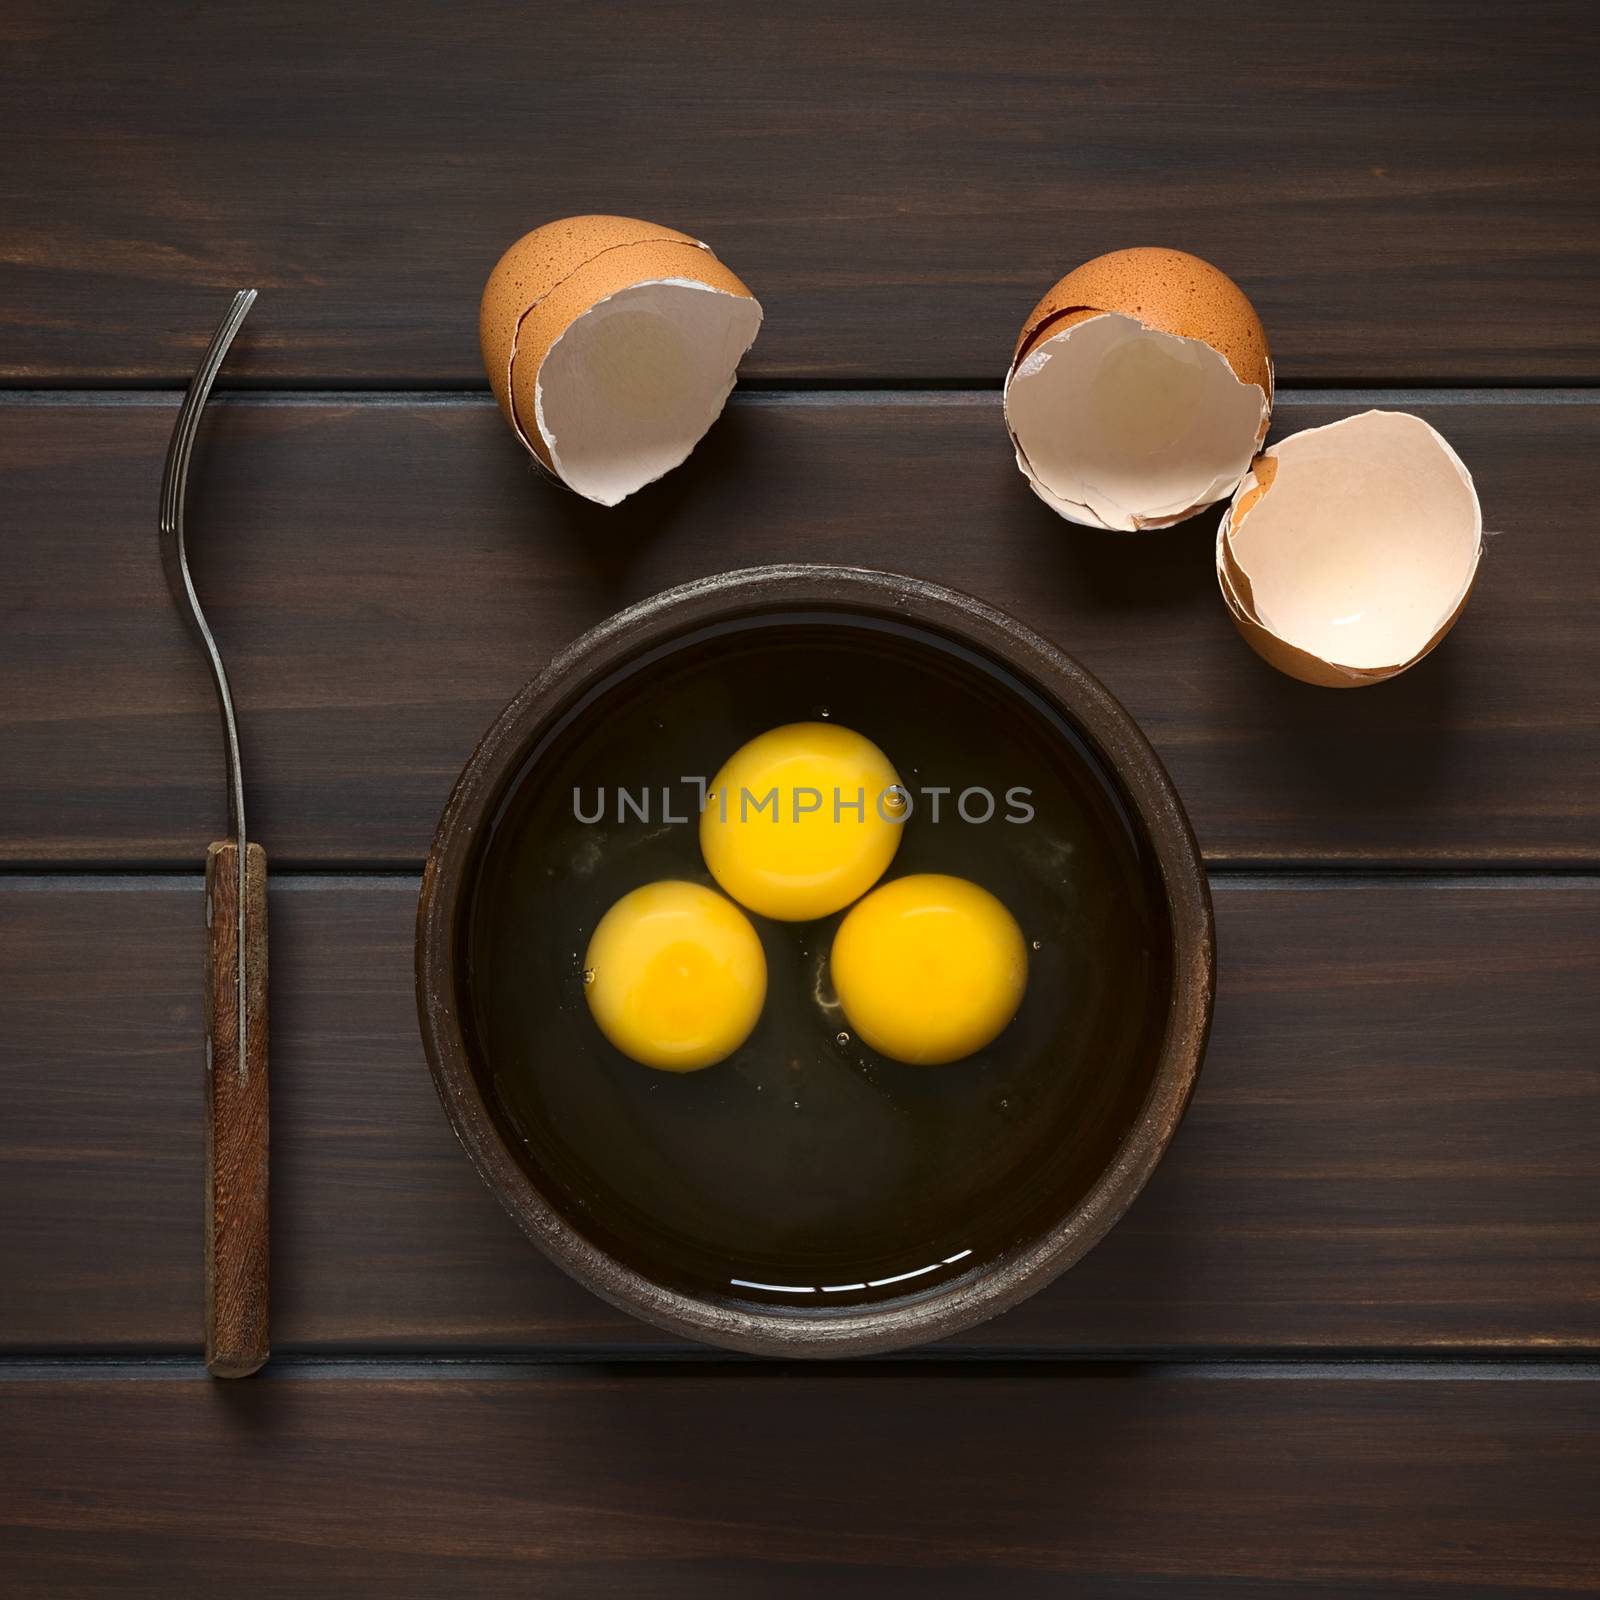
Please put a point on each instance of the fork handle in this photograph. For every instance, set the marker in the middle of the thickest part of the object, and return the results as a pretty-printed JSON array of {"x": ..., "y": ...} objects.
[{"x": 236, "y": 1115}]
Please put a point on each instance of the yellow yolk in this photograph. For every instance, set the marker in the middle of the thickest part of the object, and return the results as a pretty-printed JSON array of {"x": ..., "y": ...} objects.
[
  {"x": 675, "y": 976},
  {"x": 802, "y": 820},
  {"x": 929, "y": 968}
]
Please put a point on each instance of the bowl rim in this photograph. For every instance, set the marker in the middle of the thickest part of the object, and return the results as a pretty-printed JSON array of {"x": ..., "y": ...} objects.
[{"x": 499, "y": 758}]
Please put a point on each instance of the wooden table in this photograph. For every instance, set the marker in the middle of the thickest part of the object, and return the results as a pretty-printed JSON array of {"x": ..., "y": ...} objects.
[{"x": 1348, "y": 1341}]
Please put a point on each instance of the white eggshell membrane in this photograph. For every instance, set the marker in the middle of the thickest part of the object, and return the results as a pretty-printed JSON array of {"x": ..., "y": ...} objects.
[
  {"x": 1121, "y": 426},
  {"x": 1359, "y": 553},
  {"x": 632, "y": 385}
]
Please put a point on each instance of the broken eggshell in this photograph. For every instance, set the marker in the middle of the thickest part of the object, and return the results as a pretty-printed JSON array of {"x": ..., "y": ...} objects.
[
  {"x": 1350, "y": 549},
  {"x": 612, "y": 345},
  {"x": 1139, "y": 391}
]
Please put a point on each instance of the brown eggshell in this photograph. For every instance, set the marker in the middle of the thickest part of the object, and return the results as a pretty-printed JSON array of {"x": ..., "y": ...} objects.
[
  {"x": 1168, "y": 290},
  {"x": 1237, "y": 593},
  {"x": 606, "y": 274},
  {"x": 1293, "y": 662},
  {"x": 554, "y": 274},
  {"x": 1311, "y": 668},
  {"x": 533, "y": 266}
]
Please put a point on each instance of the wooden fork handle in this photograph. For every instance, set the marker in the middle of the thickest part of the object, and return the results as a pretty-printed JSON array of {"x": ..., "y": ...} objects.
[{"x": 236, "y": 1115}]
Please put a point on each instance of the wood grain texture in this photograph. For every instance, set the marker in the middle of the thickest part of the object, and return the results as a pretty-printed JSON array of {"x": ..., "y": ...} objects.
[
  {"x": 1108, "y": 1484},
  {"x": 384, "y": 575},
  {"x": 1395, "y": 1143},
  {"x": 236, "y": 1123},
  {"x": 1407, "y": 190}
]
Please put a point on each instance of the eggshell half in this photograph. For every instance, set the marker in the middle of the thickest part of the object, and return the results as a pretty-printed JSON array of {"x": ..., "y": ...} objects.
[
  {"x": 1139, "y": 390},
  {"x": 1350, "y": 550},
  {"x": 612, "y": 345}
]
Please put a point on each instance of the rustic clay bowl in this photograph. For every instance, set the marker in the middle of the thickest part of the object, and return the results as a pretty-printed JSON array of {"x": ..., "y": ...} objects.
[{"x": 1167, "y": 1076}]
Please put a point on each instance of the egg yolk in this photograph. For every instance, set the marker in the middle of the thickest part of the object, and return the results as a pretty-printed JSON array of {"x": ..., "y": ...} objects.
[
  {"x": 929, "y": 968},
  {"x": 802, "y": 820},
  {"x": 675, "y": 976}
]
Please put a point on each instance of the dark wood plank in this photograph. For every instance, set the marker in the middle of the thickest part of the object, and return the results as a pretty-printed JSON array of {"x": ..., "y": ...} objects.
[
  {"x": 1395, "y": 1143},
  {"x": 1110, "y": 1484},
  {"x": 384, "y": 576},
  {"x": 1409, "y": 191}
]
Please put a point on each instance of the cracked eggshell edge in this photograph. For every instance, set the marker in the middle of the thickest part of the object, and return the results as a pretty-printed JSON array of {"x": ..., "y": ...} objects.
[
  {"x": 1278, "y": 652},
  {"x": 1075, "y": 511}
]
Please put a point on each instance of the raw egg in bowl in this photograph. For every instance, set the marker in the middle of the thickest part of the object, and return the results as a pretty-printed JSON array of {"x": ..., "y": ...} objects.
[{"x": 814, "y": 961}]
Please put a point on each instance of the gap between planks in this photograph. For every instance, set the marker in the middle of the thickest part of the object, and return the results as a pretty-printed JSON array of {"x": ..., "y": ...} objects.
[
  {"x": 1110, "y": 1366},
  {"x": 966, "y": 392}
]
